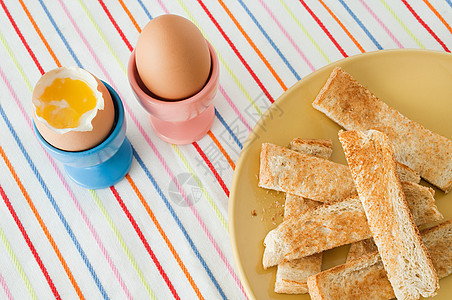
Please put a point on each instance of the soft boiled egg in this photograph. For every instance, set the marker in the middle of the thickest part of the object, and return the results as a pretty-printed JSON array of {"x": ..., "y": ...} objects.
[
  {"x": 72, "y": 109},
  {"x": 172, "y": 57}
]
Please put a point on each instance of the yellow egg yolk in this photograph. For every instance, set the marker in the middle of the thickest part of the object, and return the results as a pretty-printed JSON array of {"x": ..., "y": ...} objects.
[{"x": 65, "y": 101}]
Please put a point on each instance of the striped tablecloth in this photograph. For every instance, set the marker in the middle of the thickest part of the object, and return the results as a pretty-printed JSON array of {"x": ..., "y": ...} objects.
[{"x": 140, "y": 239}]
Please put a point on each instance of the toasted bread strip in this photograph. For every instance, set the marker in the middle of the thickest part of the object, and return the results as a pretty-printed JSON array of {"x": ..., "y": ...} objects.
[
  {"x": 296, "y": 206},
  {"x": 404, "y": 256},
  {"x": 317, "y": 148},
  {"x": 324, "y": 149},
  {"x": 291, "y": 277},
  {"x": 353, "y": 107},
  {"x": 361, "y": 248},
  {"x": 407, "y": 174},
  {"x": 366, "y": 278},
  {"x": 336, "y": 224},
  {"x": 367, "y": 246},
  {"x": 314, "y": 178}
]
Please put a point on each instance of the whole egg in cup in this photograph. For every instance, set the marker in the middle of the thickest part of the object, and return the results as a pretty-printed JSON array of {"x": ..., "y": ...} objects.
[
  {"x": 172, "y": 58},
  {"x": 72, "y": 109}
]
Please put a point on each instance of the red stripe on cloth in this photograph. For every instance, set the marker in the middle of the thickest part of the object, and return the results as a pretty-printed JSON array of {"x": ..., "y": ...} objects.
[
  {"x": 234, "y": 48},
  {"x": 419, "y": 19},
  {"x": 324, "y": 29},
  {"x": 164, "y": 236},
  {"x": 29, "y": 243},
  {"x": 116, "y": 25},
  {"x": 212, "y": 168},
  {"x": 21, "y": 37},
  {"x": 145, "y": 242},
  {"x": 41, "y": 223}
]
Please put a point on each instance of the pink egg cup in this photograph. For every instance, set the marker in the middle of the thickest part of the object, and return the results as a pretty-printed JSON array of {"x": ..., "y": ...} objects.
[{"x": 181, "y": 121}]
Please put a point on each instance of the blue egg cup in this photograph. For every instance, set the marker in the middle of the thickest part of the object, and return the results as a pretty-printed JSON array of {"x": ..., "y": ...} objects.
[{"x": 101, "y": 166}]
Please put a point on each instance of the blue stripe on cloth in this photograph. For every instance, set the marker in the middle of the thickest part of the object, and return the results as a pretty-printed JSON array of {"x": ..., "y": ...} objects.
[
  {"x": 54, "y": 204},
  {"x": 145, "y": 9},
  {"x": 228, "y": 128},
  {"x": 449, "y": 2},
  {"x": 361, "y": 24},
  {"x": 270, "y": 40},
  {"x": 60, "y": 34},
  {"x": 178, "y": 222}
]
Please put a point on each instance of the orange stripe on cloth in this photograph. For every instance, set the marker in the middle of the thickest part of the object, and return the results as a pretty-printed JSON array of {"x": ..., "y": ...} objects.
[
  {"x": 226, "y": 155},
  {"x": 130, "y": 16},
  {"x": 343, "y": 27},
  {"x": 41, "y": 223},
  {"x": 270, "y": 68},
  {"x": 43, "y": 39},
  {"x": 438, "y": 15},
  {"x": 165, "y": 238}
]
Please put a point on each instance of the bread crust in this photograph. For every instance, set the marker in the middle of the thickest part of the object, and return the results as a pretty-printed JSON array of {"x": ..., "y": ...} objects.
[
  {"x": 404, "y": 256},
  {"x": 365, "y": 277},
  {"x": 318, "y": 148},
  {"x": 292, "y": 276},
  {"x": 361, "y": 248},
  {"x": 314, "y": 178},
  {"x": 316, "y": 230},
  {"x": 412, "y": 191},
  {"x": 332, "y": 225},
  {"x": 354, "y": 107},
  {"x": 362, "y": 278}
]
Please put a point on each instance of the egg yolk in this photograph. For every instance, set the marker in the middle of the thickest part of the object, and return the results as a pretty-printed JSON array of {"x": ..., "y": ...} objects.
[{"x": 65, "y": 101}]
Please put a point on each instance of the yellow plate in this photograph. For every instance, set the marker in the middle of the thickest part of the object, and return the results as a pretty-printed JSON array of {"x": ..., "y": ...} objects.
[{"x": 418, "y": 83}]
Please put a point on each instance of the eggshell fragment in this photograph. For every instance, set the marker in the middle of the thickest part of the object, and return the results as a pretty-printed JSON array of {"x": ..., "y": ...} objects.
[
  {"x": 172, "y": 57},
  {"x": 72, "y": 140}
]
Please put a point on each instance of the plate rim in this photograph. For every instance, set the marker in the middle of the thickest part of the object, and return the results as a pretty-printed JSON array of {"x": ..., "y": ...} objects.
[{"x": 233, "y": 188}]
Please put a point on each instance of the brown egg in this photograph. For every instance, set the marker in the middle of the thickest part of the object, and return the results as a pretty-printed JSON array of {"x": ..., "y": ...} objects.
[
  {"x": 71, "y": 122},
  {"x": 172, "y": 57}
]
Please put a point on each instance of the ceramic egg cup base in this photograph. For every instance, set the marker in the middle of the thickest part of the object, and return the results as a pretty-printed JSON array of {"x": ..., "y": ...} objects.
[
  {"x": 105, "y": 174},
  {"x": 185, "y": 132},
  {"x": 101, "y": 166},
  {"x": 178, "y": 122}
]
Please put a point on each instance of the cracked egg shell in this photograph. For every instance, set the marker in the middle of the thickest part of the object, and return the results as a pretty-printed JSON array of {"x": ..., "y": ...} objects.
[{"x": 72, "y": 109}]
